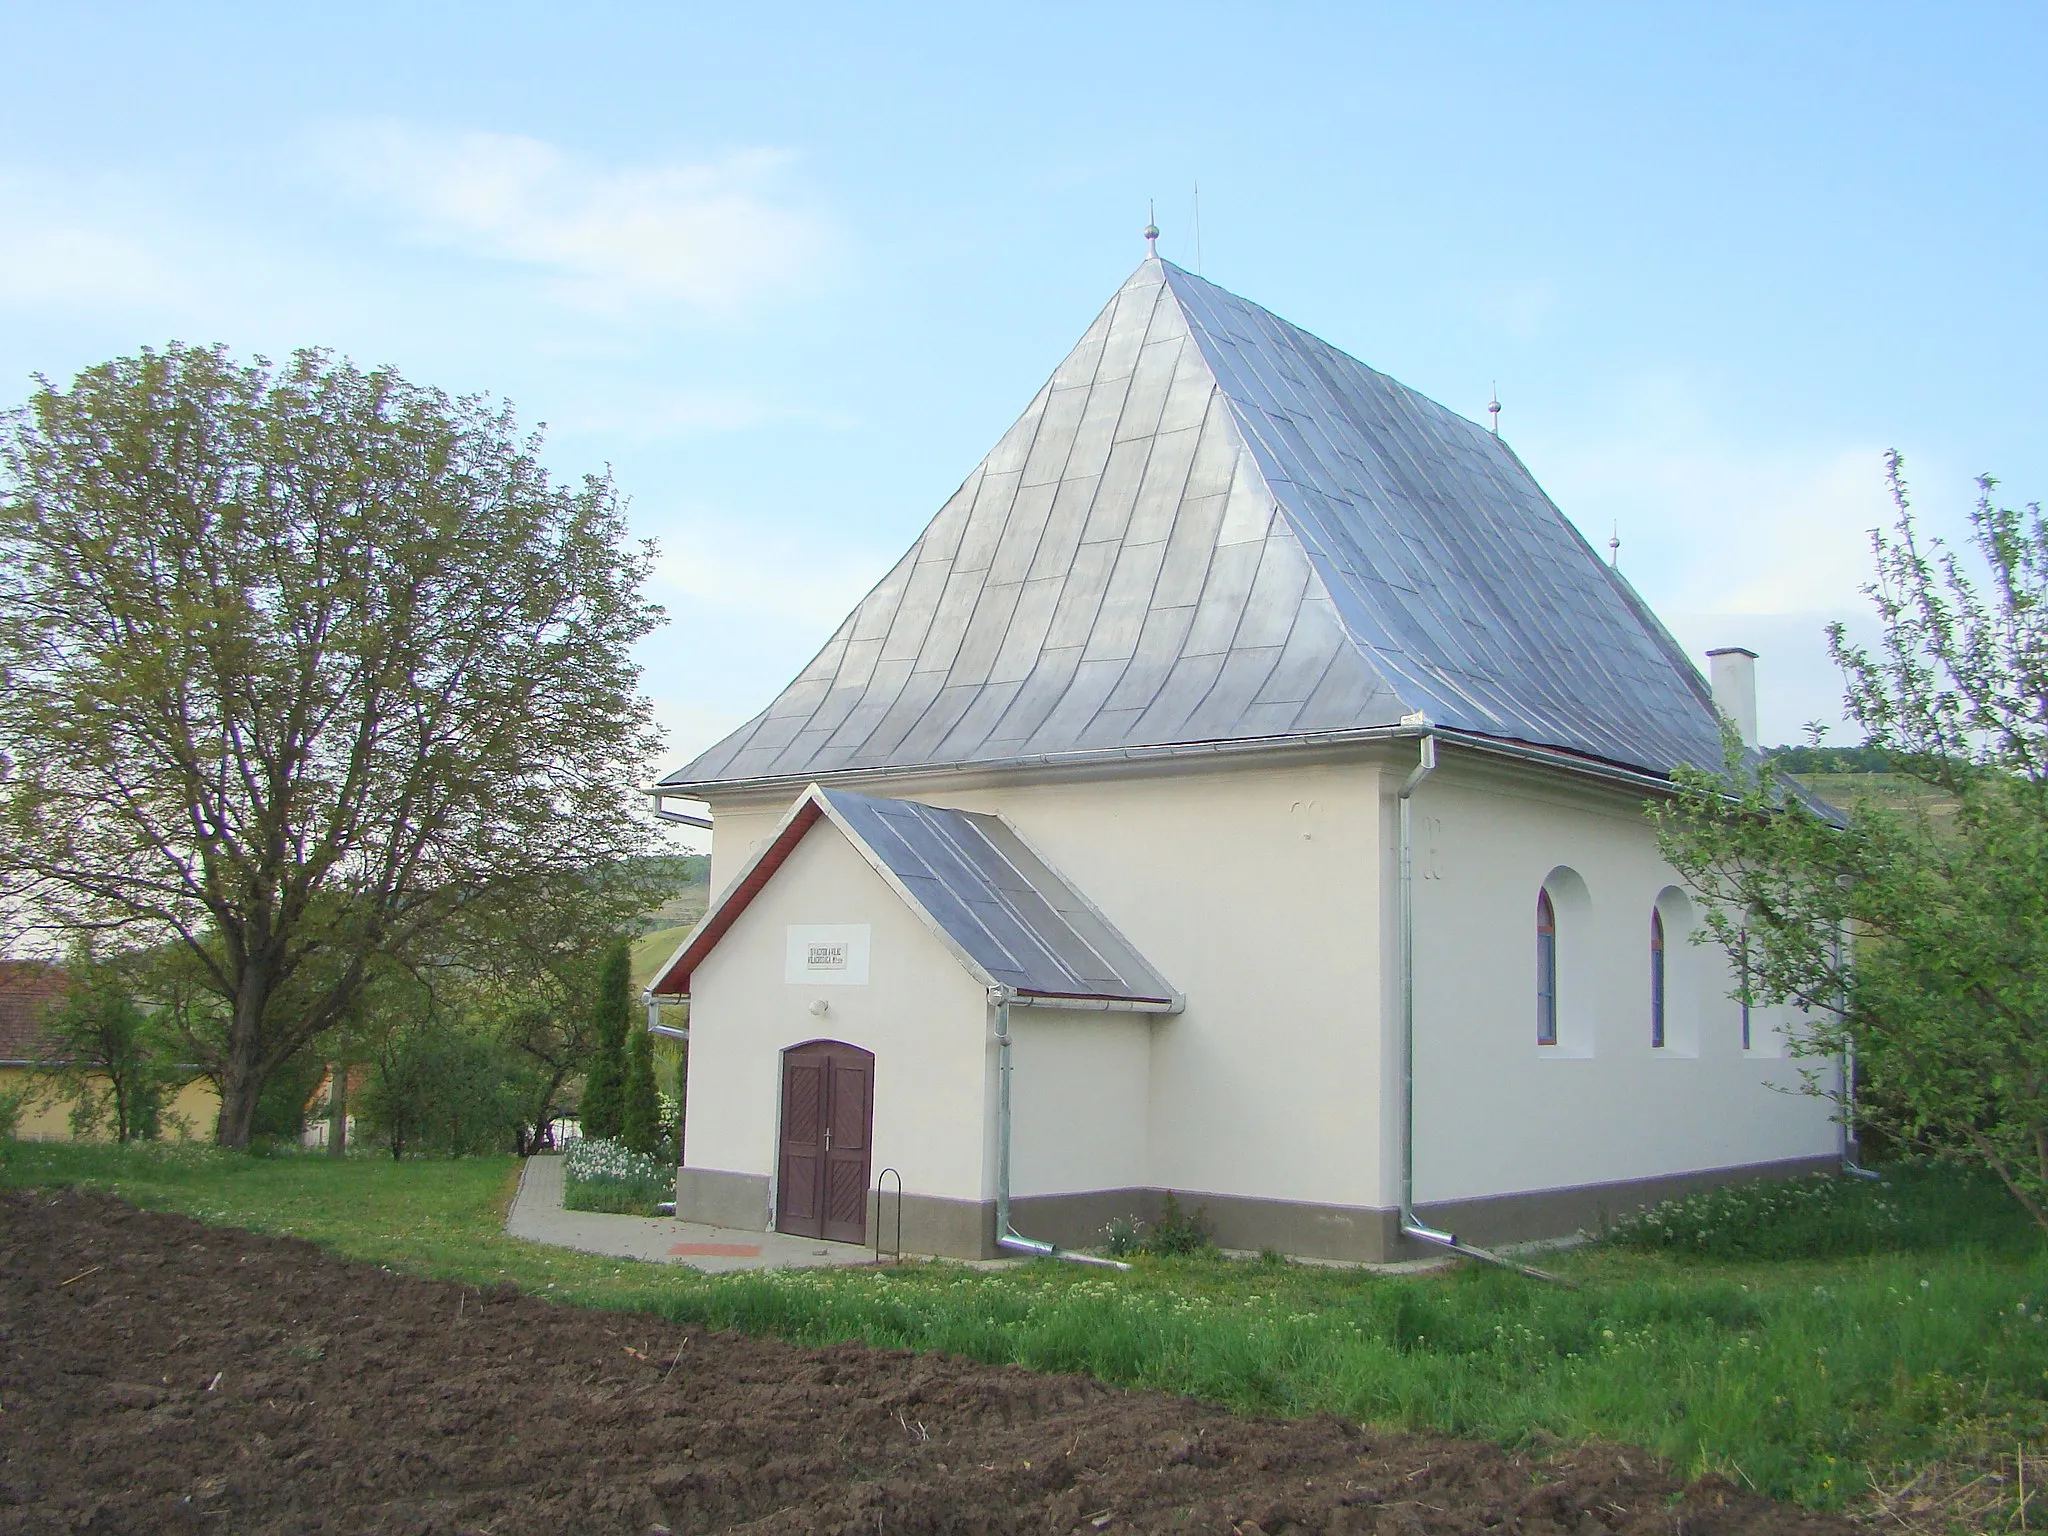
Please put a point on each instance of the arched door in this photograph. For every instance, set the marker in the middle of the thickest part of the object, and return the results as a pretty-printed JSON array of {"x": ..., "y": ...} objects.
[{"x": 828, "y": 1098}]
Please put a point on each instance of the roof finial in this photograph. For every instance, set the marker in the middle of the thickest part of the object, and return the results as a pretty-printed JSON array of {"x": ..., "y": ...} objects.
[
  {"x": 1151, "y": 229},
  {"x": 1614, "y": 547},
  {"x": 1493, "y": 408}
]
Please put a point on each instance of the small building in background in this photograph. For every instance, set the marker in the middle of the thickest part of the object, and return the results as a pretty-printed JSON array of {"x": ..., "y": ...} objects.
[
  {"x": 35, "y": 1087},
  {"x": 1248, "y": 739}
]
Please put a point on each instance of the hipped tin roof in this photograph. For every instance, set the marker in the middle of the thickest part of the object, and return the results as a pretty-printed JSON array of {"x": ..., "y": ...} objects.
[
  {"x": 1010, "y": 918},
  {"x": 1210, "y": 526}
]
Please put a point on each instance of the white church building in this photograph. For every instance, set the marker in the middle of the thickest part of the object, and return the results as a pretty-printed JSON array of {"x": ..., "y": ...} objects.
[{"x": 1238, "y": 791}]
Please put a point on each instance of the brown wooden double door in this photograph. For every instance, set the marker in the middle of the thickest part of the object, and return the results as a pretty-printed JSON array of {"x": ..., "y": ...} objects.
[{"x": 828, "y": 1101}]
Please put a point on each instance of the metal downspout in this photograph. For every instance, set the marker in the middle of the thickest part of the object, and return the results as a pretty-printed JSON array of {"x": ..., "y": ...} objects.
[
  {"x": 1413, "y": 1225},
  {"x": 1852, "y": 1145},
  {"x": 1007, "y": 1237}
]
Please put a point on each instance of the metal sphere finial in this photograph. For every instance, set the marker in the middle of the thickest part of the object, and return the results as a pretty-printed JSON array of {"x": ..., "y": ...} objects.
[{"x": 1151, "y": 229}]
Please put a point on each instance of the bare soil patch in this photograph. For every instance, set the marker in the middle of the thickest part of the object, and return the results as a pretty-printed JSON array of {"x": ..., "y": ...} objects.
[{"x": 160, "y": 1375}]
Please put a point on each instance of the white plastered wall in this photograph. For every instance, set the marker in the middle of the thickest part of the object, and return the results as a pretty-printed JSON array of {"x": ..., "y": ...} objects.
[
  {"x": 1497, "y": 1113},
  {"x": 919, "y": 1012},
  {"x": 1080, "y": 1082},
  {"x": 1254, "y": 886}
]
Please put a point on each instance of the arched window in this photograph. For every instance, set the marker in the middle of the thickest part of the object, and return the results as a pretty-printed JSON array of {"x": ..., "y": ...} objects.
[
  {"x": 1546, "y": 970},
  {"x": 1656, "y": 979},
  {"x": 1742, "y": 974}
]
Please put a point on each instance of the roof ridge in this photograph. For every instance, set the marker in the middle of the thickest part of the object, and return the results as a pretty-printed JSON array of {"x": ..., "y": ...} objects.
[{"x": 1212, "y": 525}]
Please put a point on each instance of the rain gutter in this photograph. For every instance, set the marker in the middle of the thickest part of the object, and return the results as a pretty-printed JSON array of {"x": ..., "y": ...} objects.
[
  {"x": 1412, "y": 1225},
  {"x": 1570, "y": 762},
  {"x": 654, "y": 1024},
  {"x": 681, "y": 818},
  {"x": 1173, "y": 1004},
  {"x": 1007, "y": 1237}
]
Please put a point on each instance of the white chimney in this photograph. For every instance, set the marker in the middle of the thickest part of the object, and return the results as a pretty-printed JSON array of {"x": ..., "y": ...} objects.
[{"x": 1734, "y": 677}]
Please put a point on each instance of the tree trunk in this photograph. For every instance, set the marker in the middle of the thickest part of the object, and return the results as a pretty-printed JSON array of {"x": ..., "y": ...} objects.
[
  {"x": 337, "y": 1110},
  {"x": 237, "y": 1110},
  {"x": 241, "y": 1078}
]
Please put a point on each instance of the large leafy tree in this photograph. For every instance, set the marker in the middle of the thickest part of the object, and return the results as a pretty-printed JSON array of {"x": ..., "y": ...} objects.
[
  {"x": 301, "y": 662},
  {"x": 1919, "y": 943}
]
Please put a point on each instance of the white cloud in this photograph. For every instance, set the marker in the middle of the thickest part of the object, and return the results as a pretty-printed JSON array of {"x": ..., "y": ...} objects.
[
  {"x": 709, "y": 235},
  {"x": 1520, "y": 309},
  {"x": 1710, "y": 527},
  {"x": 780, "y": 577},
  {"x": 1733, "y": 543},
  {"x": 65, "y": 243},
  {"x": 659, "y": 413}
]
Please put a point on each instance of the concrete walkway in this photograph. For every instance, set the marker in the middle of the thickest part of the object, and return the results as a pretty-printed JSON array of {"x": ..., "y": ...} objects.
[{"x": 537, "y": 1216}]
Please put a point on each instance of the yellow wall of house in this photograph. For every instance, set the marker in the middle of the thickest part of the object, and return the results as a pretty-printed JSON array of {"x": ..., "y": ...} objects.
[{"x": 46, "y": 1116}]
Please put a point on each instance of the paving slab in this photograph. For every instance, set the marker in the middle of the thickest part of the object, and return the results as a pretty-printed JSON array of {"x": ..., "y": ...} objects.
[{"x": 537, "y": 1215}]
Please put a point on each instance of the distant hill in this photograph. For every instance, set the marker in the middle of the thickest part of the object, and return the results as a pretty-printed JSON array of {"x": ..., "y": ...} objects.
[
  {"x": 668, "y": 923},
  {"x": 1828, "y": 760},
  {"x": 1848, "y": 777},
  {"x": 1890, "y": 791}
]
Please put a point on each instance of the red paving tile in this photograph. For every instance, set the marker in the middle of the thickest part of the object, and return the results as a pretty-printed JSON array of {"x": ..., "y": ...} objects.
[{"x": 715, "y": 1251}]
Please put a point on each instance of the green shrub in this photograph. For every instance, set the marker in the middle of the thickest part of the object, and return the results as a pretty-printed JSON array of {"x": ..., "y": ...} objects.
[
  {"x": 281, "y": 1107},
  {"x": 602, "y": 1108},
  {"x": 11, "y": 1107},
  {"x": 640, "y": 1116},
  {"x": 1179, "y": 1233},
  {"x": 436, "y": 1089},
  {"x": 1123, "y": 1237}
]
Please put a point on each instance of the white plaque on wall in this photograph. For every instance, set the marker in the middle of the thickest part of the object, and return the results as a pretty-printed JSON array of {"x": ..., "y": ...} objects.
[{"x": 826, "y": 955}]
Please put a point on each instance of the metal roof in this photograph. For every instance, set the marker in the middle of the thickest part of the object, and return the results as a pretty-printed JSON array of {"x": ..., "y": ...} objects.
[
  {"x": 1006, "y": 914},
  {"x": 1210, "y": 526}
]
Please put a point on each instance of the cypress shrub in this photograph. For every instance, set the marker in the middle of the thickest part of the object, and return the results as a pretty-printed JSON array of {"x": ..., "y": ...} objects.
[
  {"x": 640, "y": 1127},
  {"x": 603, "y": 1107}
]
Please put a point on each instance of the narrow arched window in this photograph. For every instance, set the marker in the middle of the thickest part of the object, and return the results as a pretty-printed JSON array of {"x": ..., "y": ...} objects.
[
  {"x": 1656, "y": 978},
  {"x": 1742, "y": 970},
  {"x": 1546, "y": 970}
]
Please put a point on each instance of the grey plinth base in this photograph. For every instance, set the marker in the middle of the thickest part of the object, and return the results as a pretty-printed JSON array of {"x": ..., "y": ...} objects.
[{"x": 965, "y": 1229}]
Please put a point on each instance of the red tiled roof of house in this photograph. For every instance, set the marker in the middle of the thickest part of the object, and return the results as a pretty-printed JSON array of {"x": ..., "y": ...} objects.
[{"x": 26, "y": 988}]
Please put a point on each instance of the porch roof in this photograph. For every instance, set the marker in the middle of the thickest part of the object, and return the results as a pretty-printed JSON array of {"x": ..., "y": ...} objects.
[{"x": 1008, "y": 916}]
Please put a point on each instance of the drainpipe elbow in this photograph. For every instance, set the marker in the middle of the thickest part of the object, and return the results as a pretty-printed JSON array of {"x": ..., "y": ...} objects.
[
  {"x": 1424, "y": 767},
  {"x": 1414, "y": 1226}
]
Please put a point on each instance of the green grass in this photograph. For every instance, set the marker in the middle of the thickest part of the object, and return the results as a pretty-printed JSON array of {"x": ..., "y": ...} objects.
[
  {"x": 653, "y": 949},
  {"x": 1917, "y": 1208},
  {"x": 1800, "y": 1377}
]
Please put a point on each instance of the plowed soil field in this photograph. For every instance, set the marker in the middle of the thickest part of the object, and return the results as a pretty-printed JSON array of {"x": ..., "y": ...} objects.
[{"x": 159, "y": 1375}]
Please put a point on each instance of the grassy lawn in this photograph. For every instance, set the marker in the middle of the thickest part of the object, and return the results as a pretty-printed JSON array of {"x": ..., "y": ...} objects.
[{"x": 1809, "y": 1378}]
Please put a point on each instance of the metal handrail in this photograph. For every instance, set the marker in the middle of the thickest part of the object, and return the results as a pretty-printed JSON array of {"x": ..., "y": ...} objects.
[{"x": 897, "y": 1252}]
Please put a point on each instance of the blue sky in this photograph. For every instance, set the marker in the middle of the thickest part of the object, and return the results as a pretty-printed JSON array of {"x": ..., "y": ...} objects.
[{"x": 790, "y": 271}]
